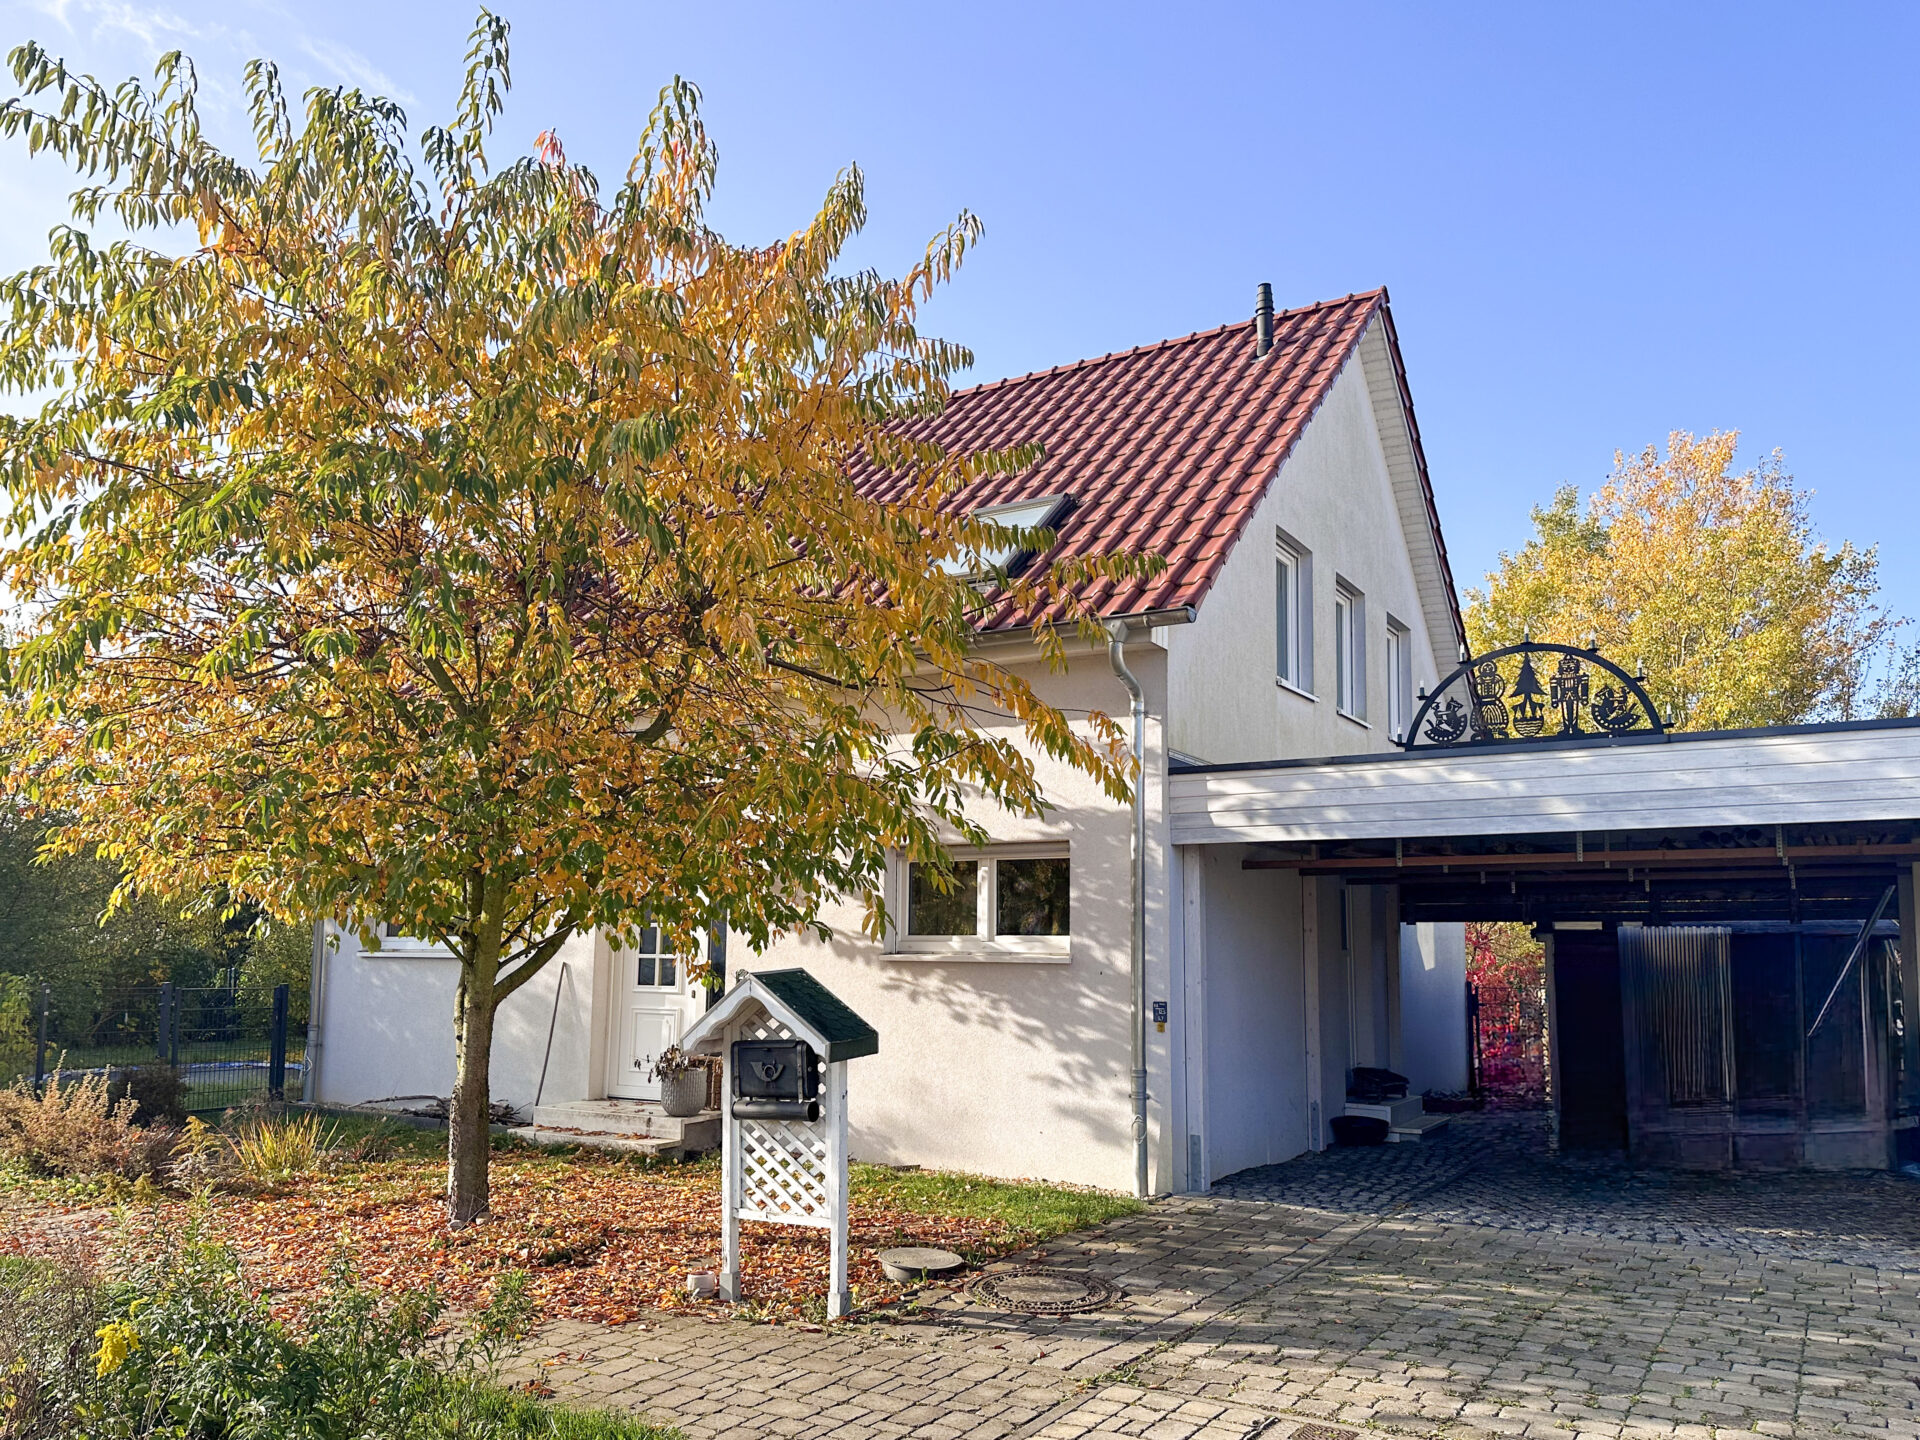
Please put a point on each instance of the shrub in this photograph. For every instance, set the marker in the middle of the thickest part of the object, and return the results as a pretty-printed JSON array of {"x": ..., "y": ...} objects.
[
  {"x": 278, "y": 1148},
  {"x": 181, "y": 1347},
  {"x": 158, "y": 1092},
  {"x": 49, "y": 1310},
  {"x": 78, "y": 1130}
]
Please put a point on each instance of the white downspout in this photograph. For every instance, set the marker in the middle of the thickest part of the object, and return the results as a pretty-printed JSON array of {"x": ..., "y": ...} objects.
[{"x": 1116, "y": 656}]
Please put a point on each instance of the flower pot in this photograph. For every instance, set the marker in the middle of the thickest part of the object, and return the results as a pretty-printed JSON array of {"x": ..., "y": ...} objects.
[
  {"x": 686, "y": 1093},
  {"x": 1358, "y": 1130}
]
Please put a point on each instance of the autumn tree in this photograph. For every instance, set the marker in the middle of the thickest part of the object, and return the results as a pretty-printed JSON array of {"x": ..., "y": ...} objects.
[
  {"x": 1710, "y": 578},
  {"x": 464, "y": 547}
]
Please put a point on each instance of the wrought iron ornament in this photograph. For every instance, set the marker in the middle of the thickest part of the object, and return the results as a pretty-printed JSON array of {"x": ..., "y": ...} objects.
[{"x": 1570, "y": 691}]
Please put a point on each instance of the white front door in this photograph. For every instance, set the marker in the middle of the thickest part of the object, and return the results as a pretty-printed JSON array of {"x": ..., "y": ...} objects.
[{"x": 653, "y": 1003}]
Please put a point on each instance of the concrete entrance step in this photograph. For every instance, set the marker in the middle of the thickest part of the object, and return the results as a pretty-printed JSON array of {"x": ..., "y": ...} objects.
[
  {"x": 1416, "y": 1128},
  {"x": 626, "y": 1144},
  {"x": 632, "y": 1119},
  {"x": 1397, "y": 1113}
]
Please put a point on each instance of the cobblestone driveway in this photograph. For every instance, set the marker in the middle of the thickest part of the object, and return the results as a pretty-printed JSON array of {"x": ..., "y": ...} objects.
[{"x": 1464, "y": 1286}]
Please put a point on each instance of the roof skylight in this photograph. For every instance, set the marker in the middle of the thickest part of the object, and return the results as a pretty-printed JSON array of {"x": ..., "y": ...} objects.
[{"x": 1023, "y": 514}]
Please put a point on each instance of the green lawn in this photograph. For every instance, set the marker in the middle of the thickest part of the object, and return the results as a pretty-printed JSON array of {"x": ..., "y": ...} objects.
[{"x": 1030, "y": 1211}]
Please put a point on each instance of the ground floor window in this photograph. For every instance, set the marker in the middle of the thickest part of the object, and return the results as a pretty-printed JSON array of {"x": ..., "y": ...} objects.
[
  {"x": 394, "y": 941},
  {"x": 1016, "y": 901}
]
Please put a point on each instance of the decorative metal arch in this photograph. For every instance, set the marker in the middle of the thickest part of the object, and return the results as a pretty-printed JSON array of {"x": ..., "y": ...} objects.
[{"x": 1486, "y": 708}]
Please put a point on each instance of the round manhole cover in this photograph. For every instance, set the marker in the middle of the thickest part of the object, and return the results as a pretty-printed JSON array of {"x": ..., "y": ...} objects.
[{"x": 1037, "y": 1290}]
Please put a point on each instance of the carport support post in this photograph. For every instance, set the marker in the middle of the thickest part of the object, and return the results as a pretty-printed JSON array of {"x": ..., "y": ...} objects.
[
  {"x": 1387, "y": 936},
  {"x": 730, "y": 1187},
  {"x": 839, "y": 1296},
  {"x": 1909, "y": 1100},
  {"x": 1310, "y": 969},
  {"x": 1552, "y": 1040}
]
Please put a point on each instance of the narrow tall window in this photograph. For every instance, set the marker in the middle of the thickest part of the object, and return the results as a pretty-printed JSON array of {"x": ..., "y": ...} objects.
[
  {"x": 1292, "y": 615},
  {"x": 1283, "y": 615},
  {"x": 1350, "y": 651},
  {"x": 1399, "y": 678}
]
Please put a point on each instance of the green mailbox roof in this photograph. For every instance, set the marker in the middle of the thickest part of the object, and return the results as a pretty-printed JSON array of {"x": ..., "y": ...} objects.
[{"x": 848, "y": 1036}]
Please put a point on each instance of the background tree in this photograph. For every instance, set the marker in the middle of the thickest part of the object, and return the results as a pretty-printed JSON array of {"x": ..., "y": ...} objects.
[
  {"x": 463, "y": 549},
  {"x": 1711, "y": 579},
  {"x": 1507, "y": 968},
  {"x": 59, "y": 927}
]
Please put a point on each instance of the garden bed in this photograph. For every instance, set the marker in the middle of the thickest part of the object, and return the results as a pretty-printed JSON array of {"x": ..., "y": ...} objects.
[{"x": 601, "y": 1237}]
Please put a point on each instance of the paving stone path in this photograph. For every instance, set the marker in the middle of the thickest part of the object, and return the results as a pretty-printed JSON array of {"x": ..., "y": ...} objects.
[{"x": 1460, "y": 1288}]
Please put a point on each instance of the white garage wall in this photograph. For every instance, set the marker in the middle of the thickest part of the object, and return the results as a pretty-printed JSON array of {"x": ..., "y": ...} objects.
[
  {"x": 387, "y": 1026},
  {"x": 1255, "y": 1052}
]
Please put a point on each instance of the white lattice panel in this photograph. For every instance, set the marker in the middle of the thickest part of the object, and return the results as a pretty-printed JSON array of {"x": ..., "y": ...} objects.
[{"x": 783, "y": 1163}]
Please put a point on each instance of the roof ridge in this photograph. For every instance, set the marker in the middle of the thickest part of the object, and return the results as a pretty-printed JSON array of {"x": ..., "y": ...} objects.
[{"x": 1377, "y": 293}]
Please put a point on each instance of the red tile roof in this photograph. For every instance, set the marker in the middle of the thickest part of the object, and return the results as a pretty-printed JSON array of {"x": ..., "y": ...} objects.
[{"x": 1166, "y": 449}]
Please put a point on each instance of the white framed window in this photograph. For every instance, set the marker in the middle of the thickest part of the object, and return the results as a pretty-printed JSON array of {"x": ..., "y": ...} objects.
[
  {"x": 1011, "y": 902},
  {"x": 1349, "y": 651},
  {"x": 1399, "y": 678},
  {"x": 1293, "y": 614},
  {"x": 395, "y": 943}
]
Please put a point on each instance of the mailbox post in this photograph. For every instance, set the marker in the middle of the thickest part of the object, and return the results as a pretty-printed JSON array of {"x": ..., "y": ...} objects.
[{"x": 785, "y": 1041}]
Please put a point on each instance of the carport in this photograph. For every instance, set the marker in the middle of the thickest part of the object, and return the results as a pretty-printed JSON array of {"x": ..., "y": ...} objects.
[{"x": 1707, "y": 900}]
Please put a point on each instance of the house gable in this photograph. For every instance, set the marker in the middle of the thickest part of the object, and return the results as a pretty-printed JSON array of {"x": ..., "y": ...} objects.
[
  {"x": 1399, "y": 436},
  {"x": 1341, "y": 509}
]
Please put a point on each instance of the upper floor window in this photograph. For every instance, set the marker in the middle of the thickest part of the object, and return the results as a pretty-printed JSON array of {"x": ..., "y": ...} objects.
[
  {"x": 1350, "y": 651},
  {"x": 1399, "y": 678},
  {"x": 1293, "y": 614}
]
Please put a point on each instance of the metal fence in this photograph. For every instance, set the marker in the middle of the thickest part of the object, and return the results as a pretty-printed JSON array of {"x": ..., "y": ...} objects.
[{"x": 229, "y": 1044}]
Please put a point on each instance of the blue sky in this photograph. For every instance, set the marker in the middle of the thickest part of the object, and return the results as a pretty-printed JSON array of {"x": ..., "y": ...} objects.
[{"x": 1598, "y": 223}]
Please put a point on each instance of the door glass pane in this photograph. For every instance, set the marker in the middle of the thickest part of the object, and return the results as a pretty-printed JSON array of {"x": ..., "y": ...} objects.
[
  {"x": 931, "y": 911},
  {"x": 1032, "y": 897},
  {"x": 654, "y": 968}
]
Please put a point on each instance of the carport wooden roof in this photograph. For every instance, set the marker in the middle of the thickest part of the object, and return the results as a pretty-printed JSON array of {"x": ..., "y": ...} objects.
[{"x": 1863, "y": 771}]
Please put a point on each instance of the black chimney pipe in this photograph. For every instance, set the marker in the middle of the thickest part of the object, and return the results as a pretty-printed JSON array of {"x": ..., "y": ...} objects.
[{"x": 1263, "y": 321}]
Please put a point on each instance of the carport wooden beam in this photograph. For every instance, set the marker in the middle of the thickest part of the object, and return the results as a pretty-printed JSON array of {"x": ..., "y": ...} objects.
[{"x": 1590, "y": 861}]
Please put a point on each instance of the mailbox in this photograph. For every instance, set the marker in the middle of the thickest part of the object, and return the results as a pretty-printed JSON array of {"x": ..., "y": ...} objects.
[
  {"x": 783, "y": 1151},
  {"x": 775, "y": 1080}
]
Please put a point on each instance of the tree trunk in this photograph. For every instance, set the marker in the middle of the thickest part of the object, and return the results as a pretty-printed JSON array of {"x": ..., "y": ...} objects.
[
  {"x": 469, "y": 1113},
  {"x": 469, "y": 1137}
]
